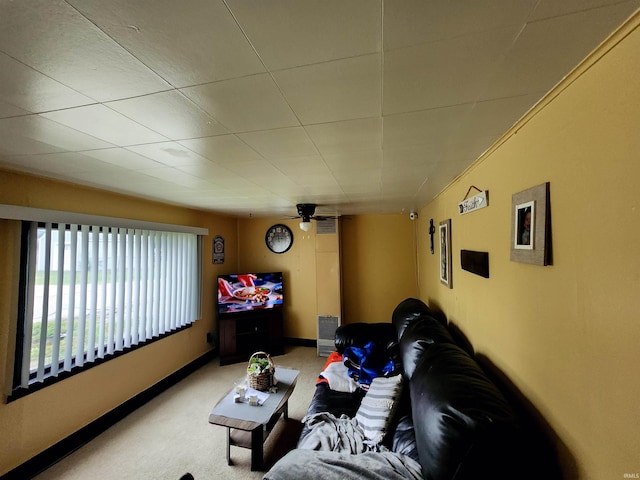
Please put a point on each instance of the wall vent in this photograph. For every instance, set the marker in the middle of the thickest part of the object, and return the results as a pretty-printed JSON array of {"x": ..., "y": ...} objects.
[{"x": 327, "y": 325}]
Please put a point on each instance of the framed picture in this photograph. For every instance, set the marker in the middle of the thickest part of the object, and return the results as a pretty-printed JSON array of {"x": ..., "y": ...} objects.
[
  {"x": 444, "y": 234},
  {"x": 530, "y": 226}
]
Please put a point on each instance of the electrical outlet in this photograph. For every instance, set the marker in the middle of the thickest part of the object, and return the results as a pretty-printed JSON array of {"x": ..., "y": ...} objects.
[{"x": 209, "y": 337}]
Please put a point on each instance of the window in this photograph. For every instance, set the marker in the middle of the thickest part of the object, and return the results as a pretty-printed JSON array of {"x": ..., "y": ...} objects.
[{"x": 89, "y": 292}]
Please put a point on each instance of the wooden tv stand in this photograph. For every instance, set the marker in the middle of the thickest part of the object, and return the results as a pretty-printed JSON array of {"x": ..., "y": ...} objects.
[{"x": 243, "y": 333}]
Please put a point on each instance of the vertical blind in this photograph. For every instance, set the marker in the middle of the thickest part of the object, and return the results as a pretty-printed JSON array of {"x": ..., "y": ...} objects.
[{"x": 93, "y": 291}]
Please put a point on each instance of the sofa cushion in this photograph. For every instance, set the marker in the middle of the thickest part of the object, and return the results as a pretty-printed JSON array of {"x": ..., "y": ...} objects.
[
  {"x": 406, "y": 312},
  {"x": 419, "y": 335},
  {"x": 462, "y": 422},
  {"x": 375, "y": 413}
]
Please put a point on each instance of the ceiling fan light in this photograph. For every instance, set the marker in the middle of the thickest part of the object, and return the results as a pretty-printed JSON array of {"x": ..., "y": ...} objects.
[{"x": 305, "y": 226}]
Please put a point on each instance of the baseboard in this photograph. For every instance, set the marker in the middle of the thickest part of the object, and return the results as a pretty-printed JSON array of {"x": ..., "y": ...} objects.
[
  {"x": 300, "y": 342},
  {"x": 64, "y": 447}
]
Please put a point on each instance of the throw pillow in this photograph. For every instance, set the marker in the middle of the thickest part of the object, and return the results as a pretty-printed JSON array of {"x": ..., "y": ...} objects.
[{"x": 376, "y": 410}]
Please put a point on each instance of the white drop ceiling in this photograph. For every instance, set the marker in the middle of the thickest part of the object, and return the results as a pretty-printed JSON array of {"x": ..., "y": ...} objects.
[{"x": 247, "y": 107}]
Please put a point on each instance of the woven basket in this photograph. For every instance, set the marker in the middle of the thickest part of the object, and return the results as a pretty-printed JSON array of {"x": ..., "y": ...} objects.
[{"x": 261, "y": 381}]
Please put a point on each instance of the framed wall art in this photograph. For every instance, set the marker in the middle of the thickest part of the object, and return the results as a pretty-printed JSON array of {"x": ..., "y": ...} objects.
[
  {"x": 444, "y": 234},
  {"x": 530, "y": 226}
]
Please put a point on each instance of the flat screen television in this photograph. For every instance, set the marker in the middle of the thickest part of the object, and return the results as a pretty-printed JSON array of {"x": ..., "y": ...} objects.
[{"x": 249, "y": 291}]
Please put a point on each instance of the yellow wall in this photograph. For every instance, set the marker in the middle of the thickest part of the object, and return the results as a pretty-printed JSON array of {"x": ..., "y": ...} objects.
[
  {"x": 378, "y": 265},
  {"x": 298, "y": 266},
  {"x": 567, "y": 335},
  {"x": 37, "y": 421}
]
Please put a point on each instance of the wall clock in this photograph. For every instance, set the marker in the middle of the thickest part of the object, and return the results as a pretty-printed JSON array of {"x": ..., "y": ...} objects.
[{"x": 279, "y": 238}]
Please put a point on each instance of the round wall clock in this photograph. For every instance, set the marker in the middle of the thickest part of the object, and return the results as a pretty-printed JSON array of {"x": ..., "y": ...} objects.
[{"x": 279, "y": 238}]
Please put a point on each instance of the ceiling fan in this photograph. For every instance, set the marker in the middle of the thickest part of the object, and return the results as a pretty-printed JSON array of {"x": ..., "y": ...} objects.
[{"x": 306, "y": 212}]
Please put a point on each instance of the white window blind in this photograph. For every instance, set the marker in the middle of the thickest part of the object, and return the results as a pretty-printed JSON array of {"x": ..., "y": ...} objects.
[{"x": 92, "y": 291}]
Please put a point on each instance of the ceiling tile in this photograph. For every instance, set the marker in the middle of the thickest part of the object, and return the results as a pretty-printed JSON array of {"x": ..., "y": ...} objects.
[
  {"x": 170, "y": 114},
  {"x": 171, "y": 154},
  {"x": 408, "y": 162},
  {"x": 326, "y": 182},
  {"x": 353, "y": 162},
  {"x": 223, "y": 149},
  {"x": 346, "y": 136},
  {"x": 215, "y": 174},
  {"x": 436, "y": 74},
  {"x": 244, "y": 104},
  {"x": 176, "y": 176},
  {"x": 248, "y": 169},
  {"x": 281, "y": 142},
  {"x": 290, "y": 33},
  {"x": 28, "y": 89},
  {"x": 305, "y": 165},
  {"x": 7, "y": 110},
  {"x": 122, "y": 157},
  {"x": 102, "y": 122},
  {"x": 332, "y": 91},
  {"x": 123, "y": 181},
  {"x": 423, "y": 127},
  {"x": 553, "y": 8},
  {"x": 47, "y": 132},
  {"x": 413, "y": 22},
  {"x": 442, "y": 175},
  {"x": 495, "y": 117},
  {"x": 187, "y": 43},
  {"x": 63, "y": 164},
  {"x": 547, "y": 50},
  {"x": 359, "y": 182},
  {"x": 53, "y": 38}
]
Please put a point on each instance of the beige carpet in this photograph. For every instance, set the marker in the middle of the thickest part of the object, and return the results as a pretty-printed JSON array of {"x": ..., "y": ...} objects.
[{"x": 170, "y": 435}]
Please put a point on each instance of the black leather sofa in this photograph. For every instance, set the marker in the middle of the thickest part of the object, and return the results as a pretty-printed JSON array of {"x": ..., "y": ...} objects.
[{"x": 452, "y": 418}]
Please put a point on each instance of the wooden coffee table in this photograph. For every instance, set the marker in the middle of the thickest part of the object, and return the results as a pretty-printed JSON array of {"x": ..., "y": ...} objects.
[{"x": 249, "y": 426}]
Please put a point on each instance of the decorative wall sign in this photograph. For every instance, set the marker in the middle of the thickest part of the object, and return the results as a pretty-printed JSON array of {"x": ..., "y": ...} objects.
[
  {"x": 218, "y": 250},
  {"x": 468, "y": 205},
  {"x": 445, "y": 253},
  {"x": 475, "y": 262},
  {"x": 530, "y": 226}
]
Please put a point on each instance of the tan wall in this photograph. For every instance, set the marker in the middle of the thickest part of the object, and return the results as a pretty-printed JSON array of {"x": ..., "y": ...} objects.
[
  {"x": 298, "y": 265},
  {"x": 567, "y": 335},
  {"x": 37, "y": 421},
  {"x": 378, "y": 265}
]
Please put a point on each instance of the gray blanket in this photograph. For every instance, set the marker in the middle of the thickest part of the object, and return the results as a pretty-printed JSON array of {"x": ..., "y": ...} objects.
[
  {"x": 332, "y": 434},
  {"x": 308, "y": 464},
  {"x": 336, "y": 449}
]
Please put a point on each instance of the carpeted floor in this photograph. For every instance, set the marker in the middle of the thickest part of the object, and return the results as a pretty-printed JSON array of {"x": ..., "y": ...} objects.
[{"x": 171, "y": 435}]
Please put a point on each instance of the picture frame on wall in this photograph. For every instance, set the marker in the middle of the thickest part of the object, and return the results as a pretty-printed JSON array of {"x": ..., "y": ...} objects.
[
  {"x": 530, "y": 222},
  {"x": 444, "y": 235}
]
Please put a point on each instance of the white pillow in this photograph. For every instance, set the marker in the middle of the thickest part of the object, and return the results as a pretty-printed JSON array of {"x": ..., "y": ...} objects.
[{"x": 376, "y": 410}]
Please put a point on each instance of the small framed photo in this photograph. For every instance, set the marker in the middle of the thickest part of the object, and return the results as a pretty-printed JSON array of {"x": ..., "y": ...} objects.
[
  {"x": 525, "y": 225},
  {"x": 444, "y": 234},
  {"x": 530, "y": 226}
]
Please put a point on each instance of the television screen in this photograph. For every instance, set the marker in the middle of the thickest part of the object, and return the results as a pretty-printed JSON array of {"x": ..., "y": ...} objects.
[{"x": 249, "y": 291}]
